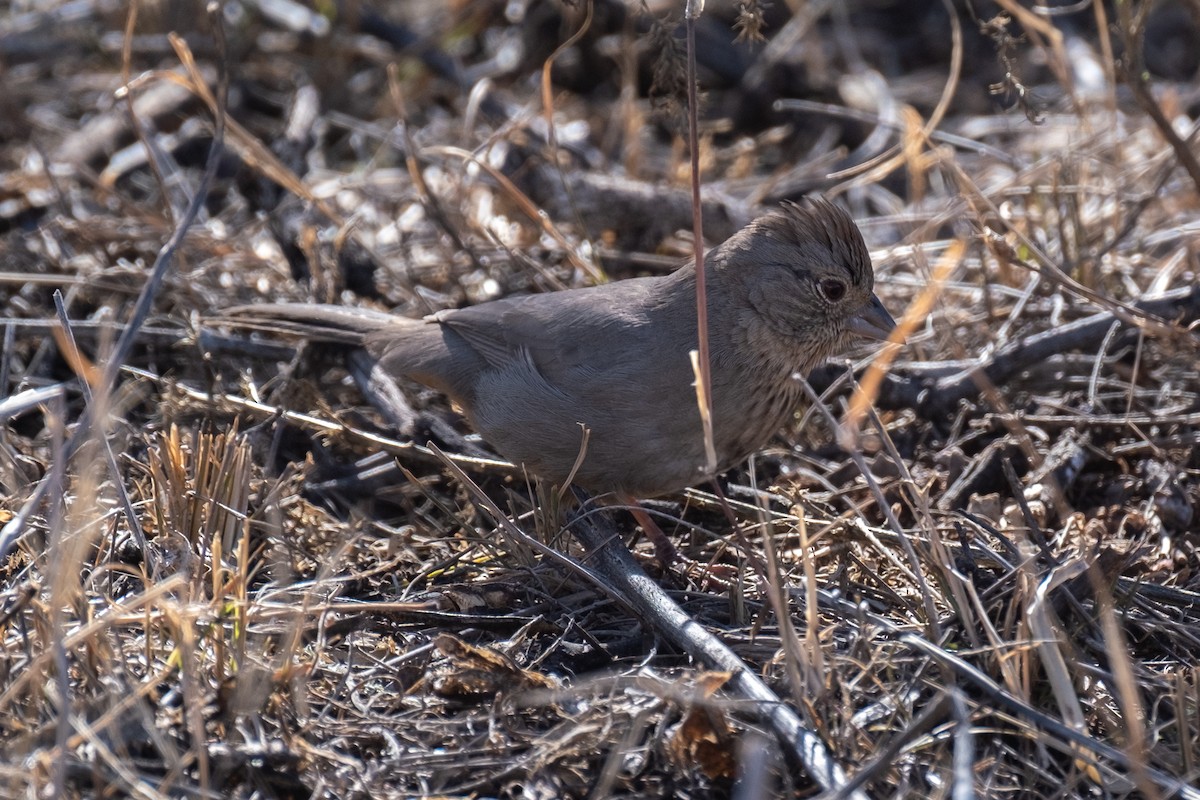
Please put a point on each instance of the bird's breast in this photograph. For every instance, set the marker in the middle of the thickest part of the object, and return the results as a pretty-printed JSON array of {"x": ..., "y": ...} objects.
[{"x": 757, "y": 393}]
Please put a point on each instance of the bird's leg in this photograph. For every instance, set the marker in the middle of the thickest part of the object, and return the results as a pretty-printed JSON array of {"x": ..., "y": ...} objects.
[
  {"x": 666, "y": 554},
  {"x": 664, "y": 549}
]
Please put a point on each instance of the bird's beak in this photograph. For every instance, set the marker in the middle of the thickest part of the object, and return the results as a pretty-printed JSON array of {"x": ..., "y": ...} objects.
[{"x": 873, "y": 322}]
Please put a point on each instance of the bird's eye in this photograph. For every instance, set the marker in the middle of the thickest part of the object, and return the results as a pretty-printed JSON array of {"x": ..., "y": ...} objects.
[{"x": 832, "y": 289}]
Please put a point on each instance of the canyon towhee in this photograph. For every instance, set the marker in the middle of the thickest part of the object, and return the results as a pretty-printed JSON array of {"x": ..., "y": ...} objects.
[{"x": 530, "y": 371}]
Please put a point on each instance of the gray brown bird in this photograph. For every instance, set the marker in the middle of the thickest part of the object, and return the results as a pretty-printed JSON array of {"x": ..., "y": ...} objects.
[{"x": 530, "y": 372}]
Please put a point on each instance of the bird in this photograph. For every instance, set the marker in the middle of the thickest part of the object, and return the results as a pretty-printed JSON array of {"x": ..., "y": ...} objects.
[{"x": 595, "y": 385}]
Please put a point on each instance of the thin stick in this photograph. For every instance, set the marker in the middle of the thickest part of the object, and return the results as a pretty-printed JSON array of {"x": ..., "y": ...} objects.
[{"x": 704, "y": 373}]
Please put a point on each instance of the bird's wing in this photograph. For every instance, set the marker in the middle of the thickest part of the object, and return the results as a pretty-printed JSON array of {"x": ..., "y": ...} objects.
[
  {"x": 498, "y": 331},
  {"x": 555, "y": 331}
]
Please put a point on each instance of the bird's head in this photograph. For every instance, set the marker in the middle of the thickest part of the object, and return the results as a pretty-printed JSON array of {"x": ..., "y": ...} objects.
[{"x": 805, "y": 271}]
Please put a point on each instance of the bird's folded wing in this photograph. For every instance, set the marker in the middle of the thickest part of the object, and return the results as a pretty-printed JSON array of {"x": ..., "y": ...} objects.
[
  {"x": 575, "y": 339},
  {"x": 507, "y": 330}
]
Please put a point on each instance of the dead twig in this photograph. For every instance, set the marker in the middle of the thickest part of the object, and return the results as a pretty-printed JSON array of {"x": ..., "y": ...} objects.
[
  {"x": 1007, "y": 361},
  {"x": 661, "y": 613},
  {"x": 1132, "y": 26}
]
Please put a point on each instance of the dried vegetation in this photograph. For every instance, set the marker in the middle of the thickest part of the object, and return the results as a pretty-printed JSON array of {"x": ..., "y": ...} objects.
[{"x": 224, "y": 575}]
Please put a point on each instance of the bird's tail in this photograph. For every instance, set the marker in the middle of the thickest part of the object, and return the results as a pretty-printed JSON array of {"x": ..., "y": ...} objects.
[{"x": 330, "y": 324}]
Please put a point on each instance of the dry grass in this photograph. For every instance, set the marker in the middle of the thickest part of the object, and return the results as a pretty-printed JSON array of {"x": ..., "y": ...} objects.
[{"x": 991, "y": 581}]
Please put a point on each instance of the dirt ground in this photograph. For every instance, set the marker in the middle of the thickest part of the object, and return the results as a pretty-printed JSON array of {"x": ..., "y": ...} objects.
[{"x": 970, "y": 570}]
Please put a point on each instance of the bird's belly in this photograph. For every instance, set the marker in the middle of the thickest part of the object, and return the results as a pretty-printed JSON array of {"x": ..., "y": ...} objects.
[
  {"x": 639, "y": 454},
  {"x": 638, "y": 442}
]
